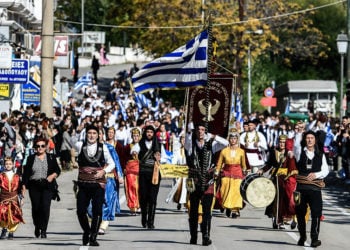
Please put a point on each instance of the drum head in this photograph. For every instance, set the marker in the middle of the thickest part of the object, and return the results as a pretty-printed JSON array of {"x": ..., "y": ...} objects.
[{"x": 260, "y": 192}]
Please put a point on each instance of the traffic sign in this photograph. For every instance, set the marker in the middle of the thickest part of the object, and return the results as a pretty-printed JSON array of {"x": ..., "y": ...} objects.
[
  {"x": 19, "y": 72},
  {"x": 269, "y": 92},
  {"x": 268, "y": 101}
]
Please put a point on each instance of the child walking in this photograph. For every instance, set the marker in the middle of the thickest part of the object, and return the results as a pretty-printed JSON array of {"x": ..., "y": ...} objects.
[{"x": 10, "y": 207}]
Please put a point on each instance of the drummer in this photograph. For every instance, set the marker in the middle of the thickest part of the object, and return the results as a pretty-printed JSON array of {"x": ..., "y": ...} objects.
[
  {"x": 283, "y": 169},
  {"x": 254, "y": 144}
]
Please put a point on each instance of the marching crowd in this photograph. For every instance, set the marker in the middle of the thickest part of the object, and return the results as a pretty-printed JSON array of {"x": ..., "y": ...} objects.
[{"x": 114, "y": 140}]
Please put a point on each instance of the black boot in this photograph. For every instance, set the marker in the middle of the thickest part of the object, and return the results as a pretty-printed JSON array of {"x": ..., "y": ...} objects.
[
  {"x": 151, "y": 214},
  {"x": 315, "y": 229},
  {"x": 205, "y": 228},
  {"x": 144, "y": 212},
  {"x": 3, "y": 233},
  {"x": 86, "y": 238},
  {"x": 43, "y": 234},
  {"x": 37, "y": 232},
  {"x": 193, "y": 231},
  {"x": 95, "y": 225},
  {"x": 10, "y": 236},
  {"x": 93, "y": 240}
]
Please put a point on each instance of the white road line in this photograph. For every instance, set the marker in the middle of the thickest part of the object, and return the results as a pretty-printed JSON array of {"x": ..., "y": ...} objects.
[{"x": 340, "y": 209}]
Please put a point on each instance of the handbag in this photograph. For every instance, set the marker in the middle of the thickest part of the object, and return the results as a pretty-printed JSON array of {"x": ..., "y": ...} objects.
[
  {"x": 297, "y": 197},
  {"x": 191, "y": 187},
  {"x": 55, "y": 192}
]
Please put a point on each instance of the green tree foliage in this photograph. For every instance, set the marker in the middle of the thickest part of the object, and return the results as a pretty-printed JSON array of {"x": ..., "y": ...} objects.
[{"x": 292, "y": 46}]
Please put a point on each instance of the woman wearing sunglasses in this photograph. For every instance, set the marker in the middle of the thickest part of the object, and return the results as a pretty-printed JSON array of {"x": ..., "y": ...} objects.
[{"x": 39, "y": 177}]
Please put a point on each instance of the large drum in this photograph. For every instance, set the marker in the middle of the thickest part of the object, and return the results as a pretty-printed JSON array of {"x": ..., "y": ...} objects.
[{"x": 257, "y": 190}]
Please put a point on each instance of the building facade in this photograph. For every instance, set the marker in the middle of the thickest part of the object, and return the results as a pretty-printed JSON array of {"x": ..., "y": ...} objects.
[
  {"x": 307, "y": 96},
  {"x": 19, "y": 21}
]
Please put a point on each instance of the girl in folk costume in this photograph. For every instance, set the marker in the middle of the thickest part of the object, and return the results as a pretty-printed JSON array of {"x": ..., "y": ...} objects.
[
  {"x": 231, "y": 166},
  {"x": 10, "y": 207},
  {"x": 118, "y": 171},
  {"x": 114, "y": 178},
  {"x": 282, "y": 162},
  {"x": 163, "y": 137},
  {"x": 179, "y": 191},
  {"x": 131, "y": 172}
]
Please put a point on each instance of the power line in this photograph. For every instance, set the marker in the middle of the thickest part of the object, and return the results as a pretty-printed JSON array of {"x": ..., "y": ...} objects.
[{"x": 200, "y": 26}]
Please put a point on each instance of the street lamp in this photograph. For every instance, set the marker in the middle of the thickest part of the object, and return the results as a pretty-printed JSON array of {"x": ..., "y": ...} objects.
[
  {"x": 342, "y": 44},
  {"x": 256, "y": 32}
]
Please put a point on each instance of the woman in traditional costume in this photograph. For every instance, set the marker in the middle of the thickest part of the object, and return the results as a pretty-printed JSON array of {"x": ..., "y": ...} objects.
[
  {"x": 230, "y": 168},
  {"x": 131, "y": 173}
]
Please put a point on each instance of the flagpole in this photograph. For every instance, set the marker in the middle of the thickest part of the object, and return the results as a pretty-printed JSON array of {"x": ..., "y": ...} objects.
[
  {"x": 209, "y": 69},
  {"x": 187, "y": 93},
  {"x": 206, "y": 164}
]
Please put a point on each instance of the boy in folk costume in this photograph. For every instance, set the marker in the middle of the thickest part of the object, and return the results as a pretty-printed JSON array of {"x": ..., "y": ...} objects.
[
  {"x": 10, "y": 207},
  {"x": 254, "y": 144}
]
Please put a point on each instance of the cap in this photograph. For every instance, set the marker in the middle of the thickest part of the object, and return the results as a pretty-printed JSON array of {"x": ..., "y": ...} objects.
[
  {"x": 310, "y": 132},
  {"x": 149, "y": 127},
  {"x": 91, "y": 127},
  {"x": 254, "y": 121}
]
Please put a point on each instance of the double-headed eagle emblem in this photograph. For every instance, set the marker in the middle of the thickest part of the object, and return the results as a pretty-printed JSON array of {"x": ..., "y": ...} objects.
[{"x": 212, "y": 109}]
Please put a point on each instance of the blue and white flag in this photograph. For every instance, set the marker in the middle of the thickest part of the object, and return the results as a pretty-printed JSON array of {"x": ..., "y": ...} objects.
[
  {"x": 83, "y": 81},
  {"x": 184, "y": 67},
  {"x": 287, "y": 109},
  {"x": 239, "y": 116}
]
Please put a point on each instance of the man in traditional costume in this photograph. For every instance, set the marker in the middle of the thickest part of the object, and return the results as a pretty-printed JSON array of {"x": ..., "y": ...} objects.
[
  {"x": 149, "y": 154},
  {"x": 313, "y": 168},
  {"x": 200, "y": 147},
  {"x": 94, "y": 162}
]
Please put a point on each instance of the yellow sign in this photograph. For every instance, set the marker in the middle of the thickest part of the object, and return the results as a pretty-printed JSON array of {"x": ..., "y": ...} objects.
[
  {"x": 173, "y": 171},
  {"x": 5, "y": 90}
]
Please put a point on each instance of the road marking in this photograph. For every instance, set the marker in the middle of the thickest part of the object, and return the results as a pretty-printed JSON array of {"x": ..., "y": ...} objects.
[
  {"x": 340, "y": 209},
  {"x": 295, "y": 237}
]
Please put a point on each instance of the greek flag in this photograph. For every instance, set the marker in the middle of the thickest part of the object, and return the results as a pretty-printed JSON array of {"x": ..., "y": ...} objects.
[
  {"x": 238, "y": 108},
  {"x": 287, "y": 109},
  {"x": 83, "y": 80},
  {"x": 184, "y": 67}
]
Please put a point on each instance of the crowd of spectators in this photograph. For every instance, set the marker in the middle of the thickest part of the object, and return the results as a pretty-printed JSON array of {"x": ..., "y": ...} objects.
[{"x": 122, "y": 109}]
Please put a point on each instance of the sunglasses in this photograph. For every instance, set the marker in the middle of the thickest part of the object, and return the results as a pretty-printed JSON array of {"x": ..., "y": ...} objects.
[{"x": 40, "y": 146}]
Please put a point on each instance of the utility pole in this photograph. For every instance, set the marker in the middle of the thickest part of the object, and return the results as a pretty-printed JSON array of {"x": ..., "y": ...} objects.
[
  {"x": 348, "y": 54},
  {"x": 47, "y": 56}
]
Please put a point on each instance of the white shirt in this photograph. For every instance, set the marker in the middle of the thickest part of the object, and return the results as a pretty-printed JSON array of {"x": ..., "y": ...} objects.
[
  {"x": 91, "y": 150},
  {"x": 324, "y": 167}
]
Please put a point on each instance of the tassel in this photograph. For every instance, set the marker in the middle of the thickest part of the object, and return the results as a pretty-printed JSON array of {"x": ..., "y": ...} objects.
[{"x": 155, "y": 177}]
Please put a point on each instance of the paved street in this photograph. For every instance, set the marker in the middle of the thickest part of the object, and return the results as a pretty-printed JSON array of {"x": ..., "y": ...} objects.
[{"x": 252, "y": 230}]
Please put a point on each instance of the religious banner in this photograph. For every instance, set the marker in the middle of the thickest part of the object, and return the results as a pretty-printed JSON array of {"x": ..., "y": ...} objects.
[{"x": 220, "y": 101}]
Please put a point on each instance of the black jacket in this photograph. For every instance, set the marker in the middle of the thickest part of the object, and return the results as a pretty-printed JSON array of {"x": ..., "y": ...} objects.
[{"x": 52, "y": 168}]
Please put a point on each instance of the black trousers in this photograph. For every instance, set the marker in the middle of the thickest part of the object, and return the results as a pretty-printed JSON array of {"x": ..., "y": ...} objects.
[
  {"x": 40, "y": 197},
  {"x": 313, "y": 199},
  {"x": 96, "y": 194},
  {"x": 148, "y": 194},
  {"x": 196, "y": 198}
]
